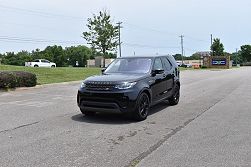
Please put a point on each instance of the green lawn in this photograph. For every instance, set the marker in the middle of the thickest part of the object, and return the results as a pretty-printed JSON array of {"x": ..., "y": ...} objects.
[{"x": 55, "y": 75}]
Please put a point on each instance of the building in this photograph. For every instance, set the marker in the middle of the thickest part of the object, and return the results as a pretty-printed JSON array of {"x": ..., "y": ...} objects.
[
  {"x": 205, "y": 53},
  {"x": 98, "y": 62}
]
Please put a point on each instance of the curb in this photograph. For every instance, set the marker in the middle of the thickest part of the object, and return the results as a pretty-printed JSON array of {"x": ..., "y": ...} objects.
[{"x": 40, "y": 86}]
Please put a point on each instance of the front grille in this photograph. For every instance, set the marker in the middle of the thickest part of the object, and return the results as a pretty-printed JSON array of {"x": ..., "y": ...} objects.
[
  {"x": 104, "y": 98},
  {"x": 100, "y": 87}
]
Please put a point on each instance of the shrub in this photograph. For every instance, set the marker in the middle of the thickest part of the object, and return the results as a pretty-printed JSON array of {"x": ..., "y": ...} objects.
[
  {"x": 203, "y": 66},
  {"x": 12, "y": 79}
]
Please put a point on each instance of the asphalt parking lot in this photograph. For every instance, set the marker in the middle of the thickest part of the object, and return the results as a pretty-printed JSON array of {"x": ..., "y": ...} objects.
[{"x": 210, "y": 127}]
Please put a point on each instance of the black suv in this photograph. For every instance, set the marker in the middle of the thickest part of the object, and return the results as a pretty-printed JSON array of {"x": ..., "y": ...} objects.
[{"x": 131, "y": 84}]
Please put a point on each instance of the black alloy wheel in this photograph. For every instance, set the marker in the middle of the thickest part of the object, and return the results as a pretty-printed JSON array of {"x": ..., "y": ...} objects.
[
  {"x": 174, "y": 99},
  {"x": 142, "y": 107}
]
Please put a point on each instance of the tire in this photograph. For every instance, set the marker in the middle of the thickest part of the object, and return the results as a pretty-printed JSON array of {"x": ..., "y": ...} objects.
[
  {"x": 87, "y": 113},
  {"x": 35, "y": 65},
  {"x": 52, "y": 66},
  {"x": 174, "y": 99},
  {"x": 142, "y": 107}
]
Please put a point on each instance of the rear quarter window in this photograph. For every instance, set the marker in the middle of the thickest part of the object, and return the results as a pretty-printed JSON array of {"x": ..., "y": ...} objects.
[
  {"x": 168, "y": 65},
  {"x": 172, "y": 60}
]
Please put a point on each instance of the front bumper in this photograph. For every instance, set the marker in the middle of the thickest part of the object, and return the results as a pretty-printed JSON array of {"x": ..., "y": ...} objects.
[{"x": 106, "y": 101}]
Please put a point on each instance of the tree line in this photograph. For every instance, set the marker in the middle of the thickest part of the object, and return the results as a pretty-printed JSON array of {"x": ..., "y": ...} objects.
[
  {"x": 63, "y": 57},
  {"x": 68, "y": 56}
]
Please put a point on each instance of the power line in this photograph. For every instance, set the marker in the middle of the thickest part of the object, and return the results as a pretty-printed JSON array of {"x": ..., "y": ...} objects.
[
  {"x": 196, "y": 39},
  {"x": 39, "y": 40},
  {"x": 149, "y": 29},
  {"x": 190, "y": 49},
  {"x": 148, "y": 46},
  {"x": 35, "y": 40},
  {"x": 39, "y": 13},
  {"x": 48, "y": 14},
  {"x": 31, "y": 25}
]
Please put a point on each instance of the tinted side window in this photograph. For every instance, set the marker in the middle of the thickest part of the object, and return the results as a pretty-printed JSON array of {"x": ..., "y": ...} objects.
[
  {"x": 171, "y": 58},
  {"x": 44, "y": 61},
  {"x": 158, "y": 64},
  {"x": 167, "y": 63}
]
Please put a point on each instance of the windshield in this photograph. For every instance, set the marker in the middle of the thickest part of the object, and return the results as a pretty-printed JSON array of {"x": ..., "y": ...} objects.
[{"x": 130, "y": 65}]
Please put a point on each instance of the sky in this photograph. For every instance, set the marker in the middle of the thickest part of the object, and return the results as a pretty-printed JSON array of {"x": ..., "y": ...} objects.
[{"x": 149, "y": 27}]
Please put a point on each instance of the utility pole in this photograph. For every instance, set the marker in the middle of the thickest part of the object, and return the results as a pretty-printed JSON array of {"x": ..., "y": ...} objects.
[
  {"x": 236, "y": 56},
  {"x": 119, "y": 25},
  {"x": 182, "y": 47},
  {"x": 211, "y": 39},
  {"x": 211, "y": 44}
]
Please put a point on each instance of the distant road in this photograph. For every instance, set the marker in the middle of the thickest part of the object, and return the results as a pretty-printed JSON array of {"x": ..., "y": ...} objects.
[{"x": 210, "y": 127}]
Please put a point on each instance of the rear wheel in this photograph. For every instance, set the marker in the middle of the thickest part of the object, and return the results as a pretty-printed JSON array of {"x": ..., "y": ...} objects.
[
  {"x": 174, "y": 99},
  {"x": 53, "y": 66},
  {"x": 142, "y": 108},
  {"x": 87, "y": 113},
  {"x": 35, "y": 65}
]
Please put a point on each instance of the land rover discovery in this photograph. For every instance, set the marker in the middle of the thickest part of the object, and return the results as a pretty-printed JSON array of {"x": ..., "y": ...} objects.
[{"x": 131, "y": 84}]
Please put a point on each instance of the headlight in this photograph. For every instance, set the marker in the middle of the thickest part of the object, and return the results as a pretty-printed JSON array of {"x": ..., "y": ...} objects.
[
  {"x": 125, "y": 85},
  {"x": 82, "y": 85}
]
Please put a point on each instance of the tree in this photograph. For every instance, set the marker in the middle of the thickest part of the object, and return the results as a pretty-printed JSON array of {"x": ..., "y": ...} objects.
[
  {"x": 217, "y": 48},
  {"x": 77, "y": 53},
  {"x": 177, "y": 56},
  {"x": 56, "y": 54},
  {"x": 236, "y": 58},
  {"x": 246, "y": 53},
  {"x": 102, "y": 34},
  {"x": 36, "y": 54},
  {"x": 195, "y": 56},
  {"x": 16, "y": 59},
  {"x": 1, "y": 57}
]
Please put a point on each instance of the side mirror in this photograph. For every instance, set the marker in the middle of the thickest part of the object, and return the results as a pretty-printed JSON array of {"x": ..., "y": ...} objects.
[{"x": 158, "y": 71}]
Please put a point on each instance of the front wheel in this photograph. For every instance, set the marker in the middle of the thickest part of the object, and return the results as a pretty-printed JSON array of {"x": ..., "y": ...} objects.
[
  {"x": 174, "y": 99},
  {"x": 142, "y": 107}
]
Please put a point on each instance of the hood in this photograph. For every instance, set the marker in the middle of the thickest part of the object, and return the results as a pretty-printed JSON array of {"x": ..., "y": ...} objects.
[{"x": 116, "y": 78}]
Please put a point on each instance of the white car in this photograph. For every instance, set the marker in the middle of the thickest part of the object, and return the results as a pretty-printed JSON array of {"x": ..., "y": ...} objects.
[
  {"x": 40, "y": 63},
  {"x": 178, "y": 63}
]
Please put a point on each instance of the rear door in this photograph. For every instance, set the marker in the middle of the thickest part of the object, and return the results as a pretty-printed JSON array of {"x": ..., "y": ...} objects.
[
  {"x": 169, "y": 75},
  {"x": 159, "y": 85}
]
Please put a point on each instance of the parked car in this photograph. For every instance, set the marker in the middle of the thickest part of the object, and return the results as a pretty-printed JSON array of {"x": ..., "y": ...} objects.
[
  {"x": 131, "y": 84},
  {"x": 40, "y": 63},
  {"x": 186, "y": 65},
  {"x": 179, "y": 63}
]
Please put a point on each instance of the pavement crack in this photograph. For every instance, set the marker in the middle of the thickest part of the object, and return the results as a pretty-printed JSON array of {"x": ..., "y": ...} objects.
[
  {"x": 154, "y": 147},
  {"x": 25, "y": 125}
]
